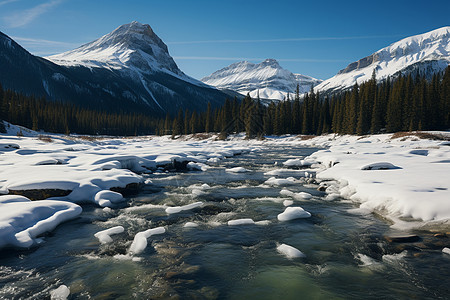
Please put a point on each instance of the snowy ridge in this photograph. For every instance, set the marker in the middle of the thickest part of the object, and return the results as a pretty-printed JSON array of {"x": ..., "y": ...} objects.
[
  {"x": 431, "y": 49},
  {"x": 267, "y": 78}
]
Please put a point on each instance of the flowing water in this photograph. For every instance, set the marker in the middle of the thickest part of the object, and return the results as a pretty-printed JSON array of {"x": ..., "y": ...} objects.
[{"x": 347, "y": 256}]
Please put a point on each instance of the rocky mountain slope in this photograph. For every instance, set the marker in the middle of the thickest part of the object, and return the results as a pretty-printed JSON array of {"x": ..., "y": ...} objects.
[{"x": 427, "y": 53}]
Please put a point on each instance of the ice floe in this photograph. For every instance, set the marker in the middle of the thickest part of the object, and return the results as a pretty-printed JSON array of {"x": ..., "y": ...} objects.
[
  {"x": 60, "y": 293},
  {"x": 244, "y": 221},
  {"x": 291, "y": 213},
  {"x": 237, "y": 170},
  {"x": 281, "y": 181},
  {"x": 289, "y": 251},
  {"x": 177, "y": 209},
  {"x": 297, "y": 196}
]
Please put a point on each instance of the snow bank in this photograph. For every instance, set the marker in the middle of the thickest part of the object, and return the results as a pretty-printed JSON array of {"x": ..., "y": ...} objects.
[
  {"x": 291, "y": 213},
  {"x": 140, "y": 240},
  {"x": 22, "y": 220},
  {"x": 410, "y": 177},
  {"x": 289, "y": 251},
  {"x": 88, "y": 170},
  {"x": 104, "y": 236}
]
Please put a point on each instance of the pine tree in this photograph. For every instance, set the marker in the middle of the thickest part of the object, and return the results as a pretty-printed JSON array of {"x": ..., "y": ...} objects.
[{"x": 208, "y": 121}]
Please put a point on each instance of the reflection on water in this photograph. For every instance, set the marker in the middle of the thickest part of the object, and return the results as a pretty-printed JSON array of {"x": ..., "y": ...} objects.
[{"x": 346, "y": 254}]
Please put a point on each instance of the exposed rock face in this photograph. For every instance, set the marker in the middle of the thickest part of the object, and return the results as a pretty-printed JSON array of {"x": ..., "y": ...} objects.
[{"x": 360, "y": 64}]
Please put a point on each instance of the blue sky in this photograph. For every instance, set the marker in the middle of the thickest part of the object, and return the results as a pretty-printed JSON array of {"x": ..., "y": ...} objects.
[{"x": 316, "y": 38}]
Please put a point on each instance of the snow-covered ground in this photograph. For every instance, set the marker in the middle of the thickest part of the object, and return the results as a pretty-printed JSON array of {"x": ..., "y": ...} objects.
[
  {"x": 399, "y": 178},
  {"x": 81, "y": 170}
]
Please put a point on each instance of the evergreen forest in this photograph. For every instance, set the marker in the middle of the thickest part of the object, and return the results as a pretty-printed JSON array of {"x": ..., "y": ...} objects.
[{"x": 406, "y": 103}]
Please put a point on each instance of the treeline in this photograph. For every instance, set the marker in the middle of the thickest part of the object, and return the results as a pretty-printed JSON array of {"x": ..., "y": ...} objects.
[
  {"x": 40, "y": 114},
  {"x": 405, "y": 104}
]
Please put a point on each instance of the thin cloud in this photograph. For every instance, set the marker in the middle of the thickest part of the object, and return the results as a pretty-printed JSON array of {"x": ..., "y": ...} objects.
[
  {"x": 42, "y": 47},
  {"x": 259, "y": 59},
  {"x": 25, "y": 17},
  {"x": 7, "y": 1},
  {"x": 42, "y": 43},
  {"x": 306, "y": 39}
]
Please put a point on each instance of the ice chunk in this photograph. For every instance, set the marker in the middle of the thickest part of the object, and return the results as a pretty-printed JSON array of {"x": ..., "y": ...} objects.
[
  {"x": 177, "y": 209},
  {"x": 104, "y": 236},
  {"x": 291, "y": 213},
  {"x": 263, "y": 222},
  {"x": 446, "y": 250},
  {"x": 240, "y": 222},
  {"x": 61, "y": 293},
  {"x": 140, "y": 240},
  {"x": 288, "y": 202},
  {"x": 281, "y": 181},
  {"x": 298, "y": 163},
  {"x": 237, "y": 170},
  {"x": 297, "y": 196},
  {"x": 190, "y": 225},
  {"x": 289, "y": 251}
]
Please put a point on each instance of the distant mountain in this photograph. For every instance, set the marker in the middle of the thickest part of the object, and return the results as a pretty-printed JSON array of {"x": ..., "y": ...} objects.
[
  {"x": 267, "y": 78},
  {"x": 426, "y": 53},
  {"x": 129, "y": 69}
]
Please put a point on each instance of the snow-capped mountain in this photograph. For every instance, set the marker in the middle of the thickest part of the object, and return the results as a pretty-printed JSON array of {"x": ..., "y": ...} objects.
[
  {"x": 267, "y": 78},
  {"x": 131, "y": 46},
  {"x": 427, "y": 53},
  {"x": 127, "y": 69}
]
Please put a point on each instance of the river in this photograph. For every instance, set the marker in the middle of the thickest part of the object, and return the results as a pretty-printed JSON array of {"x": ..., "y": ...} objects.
[{"x": 347, "y": 255}]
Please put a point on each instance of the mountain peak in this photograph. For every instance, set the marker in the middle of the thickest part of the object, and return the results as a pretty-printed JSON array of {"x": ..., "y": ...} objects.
[
  {"x": 271, "y": 62},
  {"x": 134, "y": 28},
  {"x": 267, "y": 78},
  {"x": 133, "y": 45}
]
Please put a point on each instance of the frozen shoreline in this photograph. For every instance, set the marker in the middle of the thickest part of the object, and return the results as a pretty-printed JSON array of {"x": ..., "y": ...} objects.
[{"x": 398, "y": 178}]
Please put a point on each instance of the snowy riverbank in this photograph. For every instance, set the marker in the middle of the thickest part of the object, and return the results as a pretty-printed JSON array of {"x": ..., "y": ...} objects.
[{"x": 399, "y": 178}]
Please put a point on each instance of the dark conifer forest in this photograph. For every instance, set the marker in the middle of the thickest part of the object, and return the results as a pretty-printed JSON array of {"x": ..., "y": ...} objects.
[{"x": 405, "y": 103}]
